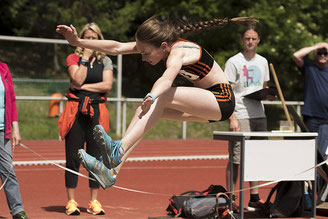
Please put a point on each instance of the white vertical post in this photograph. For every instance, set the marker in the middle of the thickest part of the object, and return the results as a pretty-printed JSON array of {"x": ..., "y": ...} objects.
[
  {"x": 184, "y": 130},
  {"x": 61, "y": 106},
  {"x": 119, "y": 95},
  {"x": 124, "y": 118},
  {"x": 298, "y": 109}
]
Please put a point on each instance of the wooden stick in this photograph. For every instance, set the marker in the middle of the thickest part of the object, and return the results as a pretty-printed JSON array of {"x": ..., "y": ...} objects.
[
  {"x": 281, "y": 96},
  {"x": 322, "y": 174}
]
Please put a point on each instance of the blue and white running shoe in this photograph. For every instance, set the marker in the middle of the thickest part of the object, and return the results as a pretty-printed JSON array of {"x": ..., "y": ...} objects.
[
  {"x": 111, "y": 150},
  {"x": 97, "y": 169}
]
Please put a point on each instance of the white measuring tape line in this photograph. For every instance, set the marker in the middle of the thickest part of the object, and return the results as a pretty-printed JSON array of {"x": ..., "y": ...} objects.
[
  {"x": 11, "y": 169},
  {"x": 69, "y": 170},
  {"x": 276, "y": 181},
  {"x": 143, "y": 192},
  {"x": 80, "y": 174},
  {"x": 160, "y": 194}
]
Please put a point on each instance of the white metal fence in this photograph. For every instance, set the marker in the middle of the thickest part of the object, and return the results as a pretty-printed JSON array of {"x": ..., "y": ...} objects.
[
  {"x": 121, "y": 112},
  {"x": 59, "y": 41},
  {"x": 121, "y": 103}
]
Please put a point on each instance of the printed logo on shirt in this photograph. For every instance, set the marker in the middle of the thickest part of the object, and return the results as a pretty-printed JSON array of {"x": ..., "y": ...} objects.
[
  {"x": 252, "y": 76},
  {"x": 188, "y": 75}
]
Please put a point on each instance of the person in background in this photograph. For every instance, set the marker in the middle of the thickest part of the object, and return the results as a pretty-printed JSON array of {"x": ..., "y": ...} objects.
[
  {"x": 210, "y": 100},
  {"x": 315, "y": 79},
  {"x": 9, "y": 128},
  {"x": 315, "y": 75},
  {"x": 91, "y": 78},
  {"x": 247, "y": 72}
]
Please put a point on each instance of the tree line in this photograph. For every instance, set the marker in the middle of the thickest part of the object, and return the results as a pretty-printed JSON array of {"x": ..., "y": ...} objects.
[{"x": 285, "y": 27}]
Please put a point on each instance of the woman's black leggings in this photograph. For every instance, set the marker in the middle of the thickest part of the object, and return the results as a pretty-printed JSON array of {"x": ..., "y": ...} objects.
[{"x": 80, "y": 133}]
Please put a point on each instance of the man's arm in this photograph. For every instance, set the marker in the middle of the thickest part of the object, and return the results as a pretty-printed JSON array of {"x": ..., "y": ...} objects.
[{"x": 299, "y": 55}]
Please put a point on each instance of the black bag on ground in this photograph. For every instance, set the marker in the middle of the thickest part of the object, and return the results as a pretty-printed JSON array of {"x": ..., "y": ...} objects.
[
  {"x": 211, "y": 203},
  {"x": 288, "y": 201},
  {"x": 176, "y": 203}
]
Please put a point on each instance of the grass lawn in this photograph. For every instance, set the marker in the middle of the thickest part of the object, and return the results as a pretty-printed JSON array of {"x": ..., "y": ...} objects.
[{"x": 35, "y": 123}]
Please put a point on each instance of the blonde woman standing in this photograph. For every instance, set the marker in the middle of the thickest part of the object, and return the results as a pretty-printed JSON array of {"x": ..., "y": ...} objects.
[{"x": 91, "y": 78}]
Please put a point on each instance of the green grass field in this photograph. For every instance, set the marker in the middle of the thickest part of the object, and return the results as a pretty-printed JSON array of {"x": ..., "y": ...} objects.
[{"x": 35, "y": 123}]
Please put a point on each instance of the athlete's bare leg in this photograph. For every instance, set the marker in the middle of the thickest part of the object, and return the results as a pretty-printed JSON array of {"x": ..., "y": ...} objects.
[{"x": 180, "y": 103}]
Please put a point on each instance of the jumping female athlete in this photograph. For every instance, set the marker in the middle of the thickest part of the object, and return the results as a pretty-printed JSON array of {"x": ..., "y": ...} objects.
[{"x": 211, "y": 98}]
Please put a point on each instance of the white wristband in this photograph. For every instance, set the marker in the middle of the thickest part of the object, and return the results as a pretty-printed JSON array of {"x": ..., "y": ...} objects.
[{"x": 150, "y": 95}]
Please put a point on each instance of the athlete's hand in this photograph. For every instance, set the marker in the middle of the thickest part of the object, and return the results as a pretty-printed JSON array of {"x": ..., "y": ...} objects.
[
  {"x": 145, "y": 106},
  {"x": 70, "y": 34}
]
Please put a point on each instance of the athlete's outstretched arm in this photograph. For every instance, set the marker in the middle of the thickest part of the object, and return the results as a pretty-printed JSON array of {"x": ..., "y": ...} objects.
[
  {"x": 110, "y": 47},
  {"x": 164, "y": 83}
]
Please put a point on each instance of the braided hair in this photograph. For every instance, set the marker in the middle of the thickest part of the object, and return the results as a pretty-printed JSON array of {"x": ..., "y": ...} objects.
[{"x": 155, "y": 30}]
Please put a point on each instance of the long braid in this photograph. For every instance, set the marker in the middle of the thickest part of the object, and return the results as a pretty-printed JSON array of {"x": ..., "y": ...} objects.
[{"x": 204, "y": 25}]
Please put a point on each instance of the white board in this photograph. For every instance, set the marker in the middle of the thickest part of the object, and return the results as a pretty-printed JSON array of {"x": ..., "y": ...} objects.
[{"x": 268, "y": 160}]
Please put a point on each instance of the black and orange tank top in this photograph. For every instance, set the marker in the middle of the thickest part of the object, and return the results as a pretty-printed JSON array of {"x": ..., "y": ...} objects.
[{"x": 199, "y": 69}]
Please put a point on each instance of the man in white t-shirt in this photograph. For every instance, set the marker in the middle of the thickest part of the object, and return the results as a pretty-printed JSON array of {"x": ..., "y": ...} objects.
[{"x": 247, "y": 72}]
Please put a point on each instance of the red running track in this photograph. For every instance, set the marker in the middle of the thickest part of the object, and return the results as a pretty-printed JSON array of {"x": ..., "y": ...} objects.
[{"x": 44, "y": 194}]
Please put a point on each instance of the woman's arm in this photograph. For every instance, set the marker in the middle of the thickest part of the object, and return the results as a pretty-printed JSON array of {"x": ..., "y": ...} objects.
[
  {"x": 100, "y": 87},
  {"x": 164, "y": 83},
  {"x": 14, "y": 114},
  {"x": 78, "y": 73},
  {"x": 16, "y": 138},
  {"x": 110, "y": 47}
]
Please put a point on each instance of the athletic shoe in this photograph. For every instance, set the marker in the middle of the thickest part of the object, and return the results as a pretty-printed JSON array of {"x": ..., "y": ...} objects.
[
  {"x": 255, "y": 206},
  {"x": 97, "y": 169},
  {"x": 110, "y": 150},
  {"x": 71, "y": 208},
  {"x": 21, "y": 215},
  {"x": 95, "y": 208}
]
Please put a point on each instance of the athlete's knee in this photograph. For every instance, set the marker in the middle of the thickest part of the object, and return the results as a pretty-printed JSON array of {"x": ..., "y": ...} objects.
[{"x": 166, "y": 97}]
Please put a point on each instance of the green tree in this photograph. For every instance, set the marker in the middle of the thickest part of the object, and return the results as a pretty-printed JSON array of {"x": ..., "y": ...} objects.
[{"x": 285, "y": 26}]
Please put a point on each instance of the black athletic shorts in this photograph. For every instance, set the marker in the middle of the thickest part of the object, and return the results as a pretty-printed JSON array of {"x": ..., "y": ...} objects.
[{"x": 225, "y": 98}]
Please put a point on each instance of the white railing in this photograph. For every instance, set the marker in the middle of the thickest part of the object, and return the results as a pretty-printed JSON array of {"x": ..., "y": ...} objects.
[
  {"x": 121, "y": 113},
  {"x": 59, "y": 41}
]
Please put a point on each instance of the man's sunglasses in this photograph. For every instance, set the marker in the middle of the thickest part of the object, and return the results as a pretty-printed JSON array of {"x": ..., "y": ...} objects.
[{"x": 322, "y": 53}]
